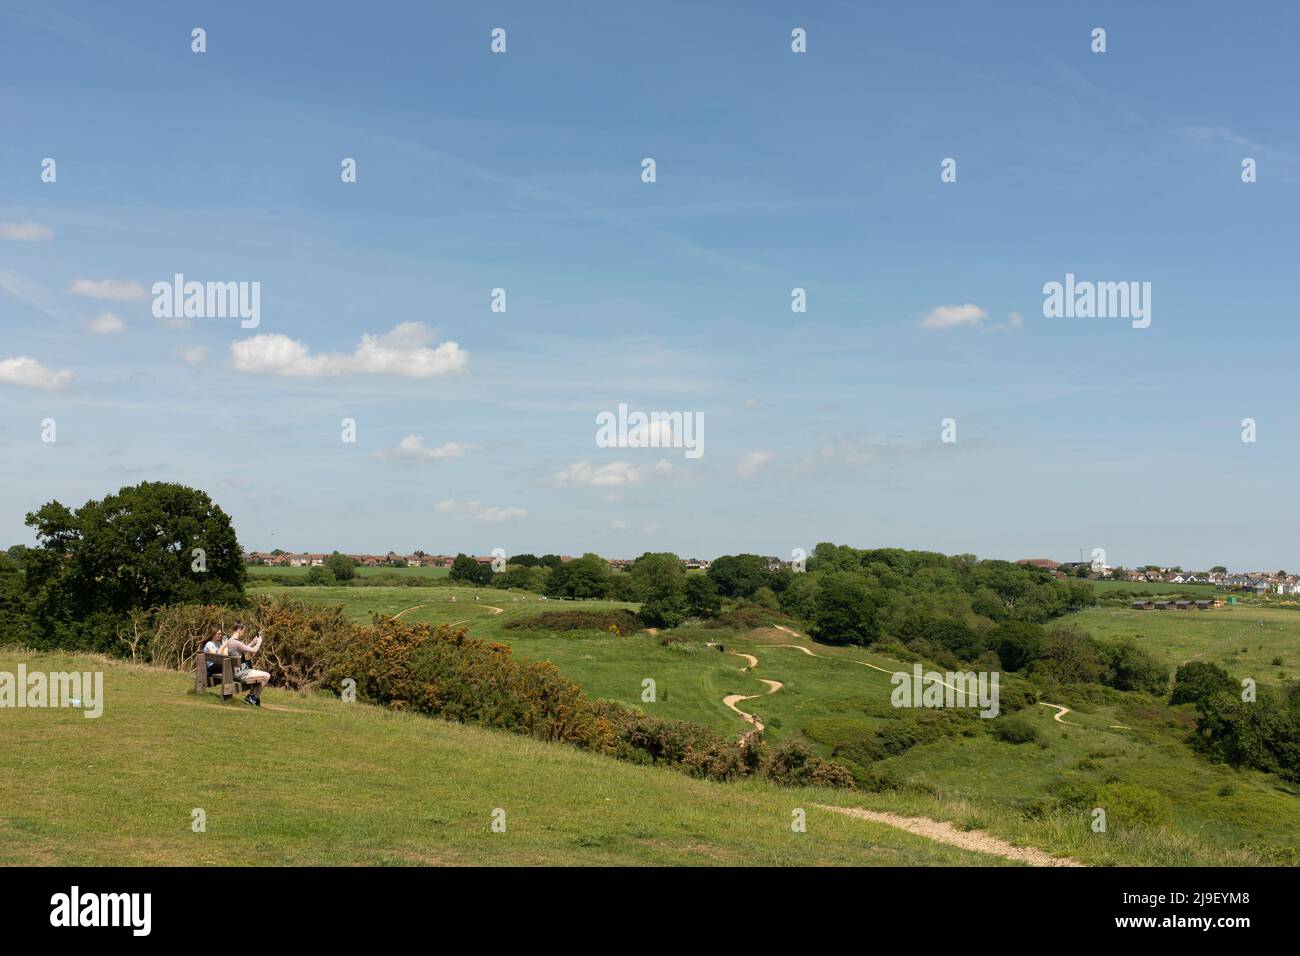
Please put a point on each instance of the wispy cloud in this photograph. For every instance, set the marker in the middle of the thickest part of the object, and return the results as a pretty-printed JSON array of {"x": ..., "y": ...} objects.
[
  {"x": 404, "y": 352},
  {"x": 950, "y": 316},
  {"x": 752, "y": 462},
  {"x": 30, "y": 373},
  {"x": 25, "y": 231},
  {"x": 106, "y": 324},
  {"x": 479, "y": 512},
  {"x": 116, "y": 290},
  {"x": 412, "y": 448},
  {"x": 613, "y": 473},
  {"x": 191, "y": 355}
]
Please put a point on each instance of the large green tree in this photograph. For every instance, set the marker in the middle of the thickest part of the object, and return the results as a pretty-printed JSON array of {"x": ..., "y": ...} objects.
[
  {"x": 15, "y": 622},
  {"x": 739, "y": 575},
  {"x": 660, "y": 581},
  {"x": 845, "y": 610},
  {"x": 581, "y": 578},
  {"x": 343, "y": 567},
  {"x": 701, "y": 596},
  {"x": 147, "y": 546}
]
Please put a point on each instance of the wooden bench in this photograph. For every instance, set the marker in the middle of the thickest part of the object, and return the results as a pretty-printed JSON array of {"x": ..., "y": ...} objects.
[{"x": 225, "y": 675}]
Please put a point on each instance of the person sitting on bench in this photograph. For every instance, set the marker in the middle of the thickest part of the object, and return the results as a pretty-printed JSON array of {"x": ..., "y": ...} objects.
[
  {"x": 235, "y": 645},
  {"x": 213, "y": 646}
]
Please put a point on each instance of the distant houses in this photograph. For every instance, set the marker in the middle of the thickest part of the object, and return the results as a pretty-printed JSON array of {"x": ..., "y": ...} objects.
[
  {"x": 307, "y": 560},
  {"x": 392, "y": 559},
  {"x": 1260, "y": 582}
]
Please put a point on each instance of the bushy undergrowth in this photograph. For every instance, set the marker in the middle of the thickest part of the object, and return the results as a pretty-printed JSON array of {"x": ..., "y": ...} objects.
[
  {"x": 300, "y": 640},
  {"x": 626, "y": 621},
  {"x": 1014, "y": 730},
  {"x": 442, "y": 672},
  {"x": 746, "y": 617}
]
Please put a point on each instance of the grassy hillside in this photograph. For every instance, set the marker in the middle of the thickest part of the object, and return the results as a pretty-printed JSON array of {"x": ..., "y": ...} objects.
[
  {"x": 1162, "y": 587},
  {"x": 977, "y": 779},
  {"x": 311, "y": 780},
  {"x": 1244, "y": 640}
]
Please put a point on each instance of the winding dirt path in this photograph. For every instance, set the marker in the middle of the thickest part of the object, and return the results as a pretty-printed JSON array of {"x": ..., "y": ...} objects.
[
  {"x": 416, "y": 607},
  {"x": 943, "y": 832},
  {"x": 1058, "y": 716},
  {"x": 938, "y": 830},
  {"x": 731, "y": 700}
]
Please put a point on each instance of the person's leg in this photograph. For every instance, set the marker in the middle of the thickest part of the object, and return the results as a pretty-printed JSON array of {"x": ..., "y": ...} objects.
[{"x": 259, "y": 681}]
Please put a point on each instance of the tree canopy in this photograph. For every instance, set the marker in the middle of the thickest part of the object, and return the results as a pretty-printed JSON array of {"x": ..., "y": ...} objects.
[{"x": 148, "y": 545}]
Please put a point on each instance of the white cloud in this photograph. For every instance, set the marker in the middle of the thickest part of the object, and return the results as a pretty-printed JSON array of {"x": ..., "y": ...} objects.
[
  {"x": 752, "y": 462},
  {"x": 190, "y": 355},
  {"x": 403, "y": 352},
  {"x": 613, "y": 473},
  {"x": 411, "y": 448},
  {"x": 32, "y": 374},
  {"x": 618, "y": 525},
  {"x": 106, "y": 324},
  {"x": 845, "y": 455},
  {"x": 25, "y": 231},
  {"x": 1014, "y": 321},
  {"x": 653, "y": 434},
  {"x": 118, "y": 290},
  {"x": 476, "y": 510},
  {"x": 949, "y": 316}
]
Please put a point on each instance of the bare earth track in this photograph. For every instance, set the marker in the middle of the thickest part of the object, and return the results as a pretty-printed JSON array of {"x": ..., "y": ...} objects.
[
  {"x": 944, "y": 832},
  {"x": 938, "y": 830}
]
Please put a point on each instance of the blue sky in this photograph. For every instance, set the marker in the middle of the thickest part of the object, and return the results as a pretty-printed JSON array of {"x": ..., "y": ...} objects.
[{"x": 775, "y": 170}]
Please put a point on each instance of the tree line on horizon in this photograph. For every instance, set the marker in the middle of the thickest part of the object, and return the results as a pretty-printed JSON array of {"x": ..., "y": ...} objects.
[{"x": 99, "y": 571}]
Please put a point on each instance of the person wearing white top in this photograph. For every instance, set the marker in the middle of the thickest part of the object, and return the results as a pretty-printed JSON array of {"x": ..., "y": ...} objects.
[{"x": 235, "y": 645}]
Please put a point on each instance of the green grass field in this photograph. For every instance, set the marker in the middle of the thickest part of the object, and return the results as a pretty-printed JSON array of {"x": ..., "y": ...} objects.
[
  {"x": 1159, "y": 587},
  {"x": 256, "y": 571},
  {"x": 311, "y": 780},
  {"x": 1244, "y": 640},
  {"x": 976, "y": 779}
]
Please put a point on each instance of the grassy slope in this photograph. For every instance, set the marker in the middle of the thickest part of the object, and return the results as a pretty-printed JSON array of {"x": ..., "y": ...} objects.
[
  {"x": 974, "y": 779},
  {"x": 310, "y": 780},
  {"x": 1161, "y": 587},
  {"x": 1243, "y": 640}
]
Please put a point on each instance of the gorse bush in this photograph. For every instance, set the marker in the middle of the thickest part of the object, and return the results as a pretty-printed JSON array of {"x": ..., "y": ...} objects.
[
  {"x": 300, "y": 641},
  {"x": 444, "y": 673},
  {"x": 746, "y": 617},
  {"x": 626, "y": 621},
  {"x": 1014, "y": 730},
  {"x": 793, "y": 764},
  {"x": 1130, "y": 805}
]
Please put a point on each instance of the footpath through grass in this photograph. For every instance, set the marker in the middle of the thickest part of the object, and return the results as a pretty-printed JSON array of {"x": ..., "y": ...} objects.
[
  {"x": 1218, "y": 814},
  {"x": 312, "y": 780}
]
